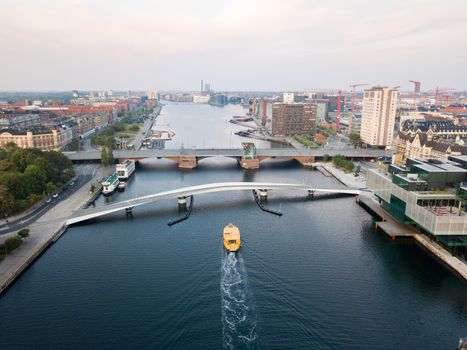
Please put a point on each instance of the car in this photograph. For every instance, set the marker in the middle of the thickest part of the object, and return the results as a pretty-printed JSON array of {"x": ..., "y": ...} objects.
[
  {"x": 72, "y": 183},
  {"x": 55, "y": 195},
  {"x": 48, "y": 200}
]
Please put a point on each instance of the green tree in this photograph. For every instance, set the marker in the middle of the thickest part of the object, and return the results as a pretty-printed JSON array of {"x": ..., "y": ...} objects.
[
  {"x": 104, "y": 157},
  {"x": 23, "y": 233},
  {"x": 50, "y": 187},
  {"x": 12, "y": 243},
  {"x": 110, "y": 156},
  {"x": 7, "y": 201},
  {"x": 35, "y": 179},
  {"x": 355, "y": 140}
]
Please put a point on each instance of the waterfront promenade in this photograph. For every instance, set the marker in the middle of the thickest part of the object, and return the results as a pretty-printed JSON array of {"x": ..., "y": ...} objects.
[{"x": 42, "y": 234}]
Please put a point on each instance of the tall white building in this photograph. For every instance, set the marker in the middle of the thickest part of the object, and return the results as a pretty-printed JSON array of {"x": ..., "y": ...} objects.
[
  {"x": 153, "y": 95},
  {"x": 378, "y": 116},
  {"x": 288, "y": 97}
]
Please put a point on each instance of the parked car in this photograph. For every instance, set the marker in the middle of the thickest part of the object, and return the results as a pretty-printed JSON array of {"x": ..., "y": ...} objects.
[{"x": 55, "y": 195}]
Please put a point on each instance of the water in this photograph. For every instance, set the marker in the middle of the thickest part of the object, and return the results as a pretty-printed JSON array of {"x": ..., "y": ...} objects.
[
  {"x": 208, "y": 127},
  {"x": 318, "y": 277},
  {"x": 239, "y": 323}
]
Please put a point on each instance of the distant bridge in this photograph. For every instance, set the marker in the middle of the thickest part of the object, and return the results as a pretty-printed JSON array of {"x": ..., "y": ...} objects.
[
  {"x": 188, "y": 158},
  {"x": 181, "y": 193}
]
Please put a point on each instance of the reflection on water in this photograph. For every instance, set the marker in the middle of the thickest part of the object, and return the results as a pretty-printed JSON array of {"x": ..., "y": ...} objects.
[{"x": 239, "y": 323}]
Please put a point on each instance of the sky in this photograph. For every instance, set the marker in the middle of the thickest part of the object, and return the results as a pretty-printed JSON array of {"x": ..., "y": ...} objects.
[{"x": 289, "y": 45}]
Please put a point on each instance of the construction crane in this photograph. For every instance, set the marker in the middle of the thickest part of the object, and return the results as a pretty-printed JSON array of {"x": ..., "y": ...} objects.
[
  {"x": 416, "y": 91},
  {"x": 353, "y": 86},
  {"x": 439, "y": 91}
]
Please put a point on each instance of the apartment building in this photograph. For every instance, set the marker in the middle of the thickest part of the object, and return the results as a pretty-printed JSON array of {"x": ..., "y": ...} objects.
[
  {"x": 378, "y": 116},
  {"x": 293, "y": 119}
]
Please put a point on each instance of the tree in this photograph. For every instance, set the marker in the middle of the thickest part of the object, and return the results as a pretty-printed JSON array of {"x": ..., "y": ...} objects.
[
  {"x": 23, "y": 233},
  {"x": 357, "y": 171},
  {"x": 110, "y": 156},
  {"x": 326, "y": 157},
  {"x": 355, "y": 140},
  {"x": 104, "y": 157},
  {"x": 12, "y": 243},
  {"x": 35, "y": 179},
  {"x": 7, "y": 201}
]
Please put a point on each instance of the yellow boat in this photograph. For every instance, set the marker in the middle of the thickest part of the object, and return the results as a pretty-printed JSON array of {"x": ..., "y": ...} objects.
[{"x": 231, "y": 238}]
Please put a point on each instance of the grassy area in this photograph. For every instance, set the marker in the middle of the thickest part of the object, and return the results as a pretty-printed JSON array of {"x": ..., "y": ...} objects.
[
  {"x": 308, "y": 141},
  {"x": 340, "y": 162}
]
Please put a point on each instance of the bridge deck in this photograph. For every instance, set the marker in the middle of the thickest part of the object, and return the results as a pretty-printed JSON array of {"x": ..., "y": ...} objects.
[
  {"x": 228, "y": 152},
  {"x": 86, "y": 214}
]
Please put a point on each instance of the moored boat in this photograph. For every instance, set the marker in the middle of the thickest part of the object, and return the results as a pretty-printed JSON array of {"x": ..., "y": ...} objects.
[
  {"x": 110, "y": 184},
  {"x": 231, "y": 238},
  {"x": 121, "y": 186},
  {"x": 125, "y": 169}
]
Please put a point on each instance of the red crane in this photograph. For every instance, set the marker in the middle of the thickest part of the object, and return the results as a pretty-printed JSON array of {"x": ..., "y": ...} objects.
[
  {"x": 439, "y": 91},
  {"x": 353, "y": 86},
  {"x": 416, "y": 91}
]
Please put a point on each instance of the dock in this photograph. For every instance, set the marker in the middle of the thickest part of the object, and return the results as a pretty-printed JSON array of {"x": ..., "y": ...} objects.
[
  {"x": 395, "y": 230},
  {"x": 386, "y": 222}
]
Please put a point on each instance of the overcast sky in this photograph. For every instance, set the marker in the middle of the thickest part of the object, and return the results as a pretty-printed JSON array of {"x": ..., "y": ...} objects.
[{"x": 234, "y": 45}]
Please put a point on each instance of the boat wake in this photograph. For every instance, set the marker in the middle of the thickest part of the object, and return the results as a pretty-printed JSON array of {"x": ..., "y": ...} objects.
[{"x": 239, "y": 321}]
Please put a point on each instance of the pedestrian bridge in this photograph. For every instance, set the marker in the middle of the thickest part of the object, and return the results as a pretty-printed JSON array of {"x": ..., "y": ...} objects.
[{"x": 181, "y": 193}]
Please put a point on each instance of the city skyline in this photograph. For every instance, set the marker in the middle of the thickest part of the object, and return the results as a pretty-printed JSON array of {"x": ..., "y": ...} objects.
[{"x": 259, "y": 45}]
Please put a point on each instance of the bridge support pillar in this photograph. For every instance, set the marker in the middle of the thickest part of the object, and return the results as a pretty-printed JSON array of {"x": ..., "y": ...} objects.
[
  {"x": 181, "y": 203},
  {"x": 311, "y": 194},
  {"x": 129, "y": 211},
  {"x": 187, "y": 162},
  {"x": 249, "y": 163},
  {"x": 263, "y": 195}
]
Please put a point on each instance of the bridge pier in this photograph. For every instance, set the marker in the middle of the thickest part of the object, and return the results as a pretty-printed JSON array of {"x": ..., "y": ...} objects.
[
  {"x": 181, "y": 203},
  {"x": 187, "y": 162},
  {"x": 311, "y": 194},
  {"x": 129, "y": 211},
  {"x": 249, "y": 163},
  {"x": 263, "y": 195}
]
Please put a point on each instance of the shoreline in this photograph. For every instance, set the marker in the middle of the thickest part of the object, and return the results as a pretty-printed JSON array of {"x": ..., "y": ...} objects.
[
  {"x": 395, "y": 230},
  {"x": 43, "y": 232}
]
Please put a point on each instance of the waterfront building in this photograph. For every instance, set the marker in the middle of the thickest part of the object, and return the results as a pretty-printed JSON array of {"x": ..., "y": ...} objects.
[
  {"x": 378, "y": 116},
  {"x": 201, "y": 98},
  {"x": 153, "y": 95},
  {"x": 218, "y": 100},
  {"x": 288, "y": 97},
  {"x": 428, "y": 193},
  {"x": 44, "y": 139},
  {"x": 293, "y": 119}
]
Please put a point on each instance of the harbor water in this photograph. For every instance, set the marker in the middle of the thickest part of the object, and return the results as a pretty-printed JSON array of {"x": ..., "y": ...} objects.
[{"x": 318, "y": 277}]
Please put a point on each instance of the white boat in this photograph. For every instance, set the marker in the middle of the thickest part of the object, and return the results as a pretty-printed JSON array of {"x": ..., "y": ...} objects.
[
  {"x": 125, "y": 169},
  {"x": 110, "y": 184},
  {"x": 122, "y": 186}
]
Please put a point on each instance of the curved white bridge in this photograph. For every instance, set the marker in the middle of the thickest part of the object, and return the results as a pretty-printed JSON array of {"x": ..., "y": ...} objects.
[{"x": 90, "y": 213}]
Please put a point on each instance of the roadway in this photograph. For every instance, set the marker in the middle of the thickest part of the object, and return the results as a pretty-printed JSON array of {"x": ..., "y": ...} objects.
[
  {"x": 227, "y": 152},
  {"x": 83, "y": 175}
]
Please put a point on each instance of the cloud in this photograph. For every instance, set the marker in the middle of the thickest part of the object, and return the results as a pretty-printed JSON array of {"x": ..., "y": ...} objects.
[{"x": 237, "y": 44}]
